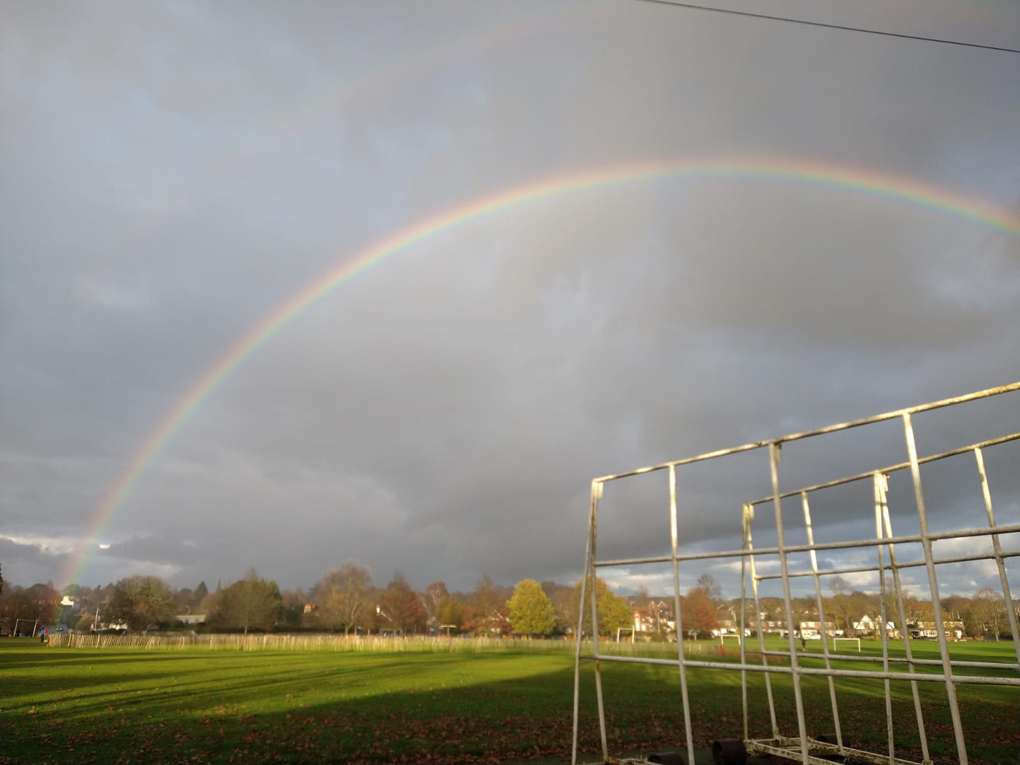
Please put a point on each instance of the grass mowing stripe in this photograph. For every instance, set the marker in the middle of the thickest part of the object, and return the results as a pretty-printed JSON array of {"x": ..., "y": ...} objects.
[{"x": 110, "y": 705}]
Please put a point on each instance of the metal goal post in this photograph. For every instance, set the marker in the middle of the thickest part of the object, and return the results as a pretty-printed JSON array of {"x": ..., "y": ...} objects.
[
  {"x": 856, "y": 641},
  {"x": 907, "y": 670}
]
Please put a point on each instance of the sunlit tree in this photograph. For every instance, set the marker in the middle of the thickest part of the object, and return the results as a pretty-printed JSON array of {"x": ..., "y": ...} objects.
[
  {"x": 142, "y": 602},
  {"x": 697, "y": 612},
  {"x": 344, "y": 597},
  {"x": 251, "y": 603},
  {"x": 530, "y": 610}
]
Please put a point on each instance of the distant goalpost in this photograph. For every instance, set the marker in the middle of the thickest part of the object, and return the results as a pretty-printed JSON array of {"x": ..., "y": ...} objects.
[
  {"x": 724, "y": 635},
  {"x": 625, "y": 629},
  {"x": 835, "y": 642}
]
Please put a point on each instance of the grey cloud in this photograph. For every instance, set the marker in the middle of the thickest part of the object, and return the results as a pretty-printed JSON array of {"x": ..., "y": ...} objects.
[
  {"x": 173, "y": 179},
  {"x": 156, "y": 549},
  {"x": 27, "y": 563}
]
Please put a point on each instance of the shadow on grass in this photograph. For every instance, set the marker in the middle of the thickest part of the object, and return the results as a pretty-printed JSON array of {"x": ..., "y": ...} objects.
[{"x": 325, "y": 707}]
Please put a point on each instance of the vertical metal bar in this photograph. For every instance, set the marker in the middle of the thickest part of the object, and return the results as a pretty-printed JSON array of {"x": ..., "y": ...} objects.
[
  {"x": 936, "y": 602},
  {"x": 596, "y": 492},
  {"x": 761, "y": 629},
  {"x": 784, "y": 571},
  {"x": 997, "y": 548},
  {"x": 821, "y": 617},
  {"x": 883, "y": 489},
  {"x": 748, "y": 513},
  {"x": 676, "y": 605},
  {"x": 878, "y": 484},
  {"x": 595, "y": 631}
]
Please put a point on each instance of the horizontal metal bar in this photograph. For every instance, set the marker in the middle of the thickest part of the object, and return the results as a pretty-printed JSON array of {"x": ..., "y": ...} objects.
[
  {"x": 927, "y": 678},
  {"x": 848, "y": 657},
  {"x": 873, "y": 542},
  {"x": 940, "y": 678},
  {"x": 686, "y": 461},
  {"x": 688, "y": 663},
  {"x": 890, "y": 468},
  {"x": 889, "y": 567},
  {"x": 818, "y": 432},
  {"x": 757, "y": 551},
  {"x": 900, "y": 660}
]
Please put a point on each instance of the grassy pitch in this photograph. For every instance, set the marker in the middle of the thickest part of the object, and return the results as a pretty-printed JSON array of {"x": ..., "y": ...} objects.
[{"x": 116, "y": 705}]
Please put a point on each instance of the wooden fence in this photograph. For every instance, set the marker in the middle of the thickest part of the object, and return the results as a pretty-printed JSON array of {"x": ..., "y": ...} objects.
[{"x": 360, "y": 643}]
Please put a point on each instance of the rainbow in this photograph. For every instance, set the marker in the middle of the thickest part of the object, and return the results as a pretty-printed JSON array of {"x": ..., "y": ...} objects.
[{"x": 882, "y": 185}]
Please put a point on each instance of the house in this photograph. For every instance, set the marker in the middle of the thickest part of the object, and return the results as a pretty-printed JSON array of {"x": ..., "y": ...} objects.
[
  {"x": 644, "y": 623},
  {"x": 767, "y": 625},
  {"x": 868, "y": 626},
  {"x": 653, "y": 618},
  {"x": 191, "y": 618},
  {"x": 927, "y": 630},
  {"x": 725, "y": 620},
  {"x": 813, "y": 630}
]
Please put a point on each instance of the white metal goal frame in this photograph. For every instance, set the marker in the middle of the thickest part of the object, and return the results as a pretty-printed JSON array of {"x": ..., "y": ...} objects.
[
  {"x": 633, "y": 634},
  {"x": 836, "y": 639},
  {"x": 801, "y": 746}
]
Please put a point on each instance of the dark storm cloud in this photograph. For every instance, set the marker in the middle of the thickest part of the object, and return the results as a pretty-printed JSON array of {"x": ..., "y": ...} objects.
[
  {"x": 173, "y": 175},
  {"x": 27, "y": 561}
]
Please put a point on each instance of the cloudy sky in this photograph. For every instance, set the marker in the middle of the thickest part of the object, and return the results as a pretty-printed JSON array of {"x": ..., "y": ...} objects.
[{"x": 172, "y": 174}]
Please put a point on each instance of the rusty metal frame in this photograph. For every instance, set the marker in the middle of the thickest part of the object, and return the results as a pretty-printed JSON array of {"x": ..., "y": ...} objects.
[{"x": 802, "y": 747}]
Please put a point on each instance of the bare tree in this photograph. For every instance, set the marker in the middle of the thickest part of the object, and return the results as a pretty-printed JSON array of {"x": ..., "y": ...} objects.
[
  {"x": 641, "y": 597},
  {"x": 432, "y": 603},
  {"x": 400, "y": 605},
  {"x": 343, "y": 596},
  {"x": 840, "y": 604},
  {"x": 711, "y": 587},
  {"x": 989, "y": 611}
]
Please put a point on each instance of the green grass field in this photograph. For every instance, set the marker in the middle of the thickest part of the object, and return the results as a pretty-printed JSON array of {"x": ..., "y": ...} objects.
[{"x": 65, "y": 705}]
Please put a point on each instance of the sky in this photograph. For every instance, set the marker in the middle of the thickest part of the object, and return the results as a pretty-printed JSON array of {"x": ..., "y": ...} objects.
[{"x": 757, "y": 228}]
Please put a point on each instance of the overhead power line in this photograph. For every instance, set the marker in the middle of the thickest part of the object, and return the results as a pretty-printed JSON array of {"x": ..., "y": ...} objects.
[{"x": 841, "y": 27}]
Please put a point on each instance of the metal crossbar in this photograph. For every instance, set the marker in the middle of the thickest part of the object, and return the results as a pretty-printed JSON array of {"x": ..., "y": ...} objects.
[{"x": 886, "y": 566}]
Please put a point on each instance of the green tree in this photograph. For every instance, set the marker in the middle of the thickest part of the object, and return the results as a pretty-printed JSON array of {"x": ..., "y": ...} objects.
[
  {"x": 141, "y": 601},
  {"x": 531, "y": 611},
  {"x": 451, "y": 613},
  {"x": 613, "y": 611}
]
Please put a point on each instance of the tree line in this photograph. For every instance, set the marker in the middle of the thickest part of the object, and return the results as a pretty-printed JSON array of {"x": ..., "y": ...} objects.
[{"x": 347, "y": 600}]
